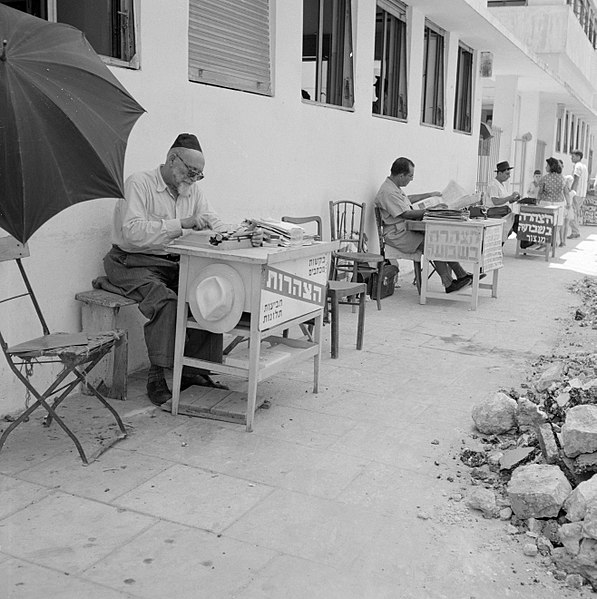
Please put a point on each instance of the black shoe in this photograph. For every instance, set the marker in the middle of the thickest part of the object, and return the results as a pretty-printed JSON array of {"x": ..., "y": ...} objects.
[
  {"x": 201, "y": 380},
  {"x": 574, "y": 236},
  {"x": 469, "y": 275},
  {"x": 158, "y": 392},
  {"x": 458, "y": 284}
]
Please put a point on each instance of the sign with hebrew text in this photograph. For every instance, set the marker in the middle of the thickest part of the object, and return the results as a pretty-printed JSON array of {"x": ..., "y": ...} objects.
[
  {"x": 493, "y": 256},
  {"x": 536, "y": 226},
  {"x": 292, "y": 289},
  {"x": 453, "y": 242}
]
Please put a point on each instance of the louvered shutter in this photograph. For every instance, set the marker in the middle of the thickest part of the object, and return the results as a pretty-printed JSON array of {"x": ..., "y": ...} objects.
[
  {"x": 229, "y": 44},
  {"x": 394, "y": 7}
]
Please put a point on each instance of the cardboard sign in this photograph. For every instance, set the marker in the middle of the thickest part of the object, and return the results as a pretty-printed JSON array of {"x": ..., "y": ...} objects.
[
  {"x": 536, "y": 226},
  {"x": 451, "y": 242},
  {"x": 297, "y": 288},
  {"x": 589, "y": 212},
  {"x": 493, "y": 256}
]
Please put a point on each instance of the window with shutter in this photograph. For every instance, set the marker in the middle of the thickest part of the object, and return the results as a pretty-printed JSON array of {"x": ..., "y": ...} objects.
[{"x": 229, "y": 44}]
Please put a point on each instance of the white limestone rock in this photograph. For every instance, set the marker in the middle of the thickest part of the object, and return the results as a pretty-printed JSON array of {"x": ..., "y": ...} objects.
[
  {"x": 551, "y": 374},
  {"x": 579, "y": 432},
  {"x": 589, "y": 525},
  {"x": 483, "y": 499},
  {"x": 529, "y": 415},
  {"x": 496, "y": 414},
  {"x": 571, "y": 535},
  {"x": 538, "y": 491},
  {"x": 577, "y": 502}
]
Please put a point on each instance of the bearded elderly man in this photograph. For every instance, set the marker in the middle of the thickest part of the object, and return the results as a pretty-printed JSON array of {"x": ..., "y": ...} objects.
[{"x": 160, "y": 206}]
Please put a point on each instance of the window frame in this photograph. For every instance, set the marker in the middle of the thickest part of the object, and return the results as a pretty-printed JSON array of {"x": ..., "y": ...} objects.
[
  {"x": 463, "y": 98},
  {"x": 438, "y": 85},
  {"x": 393, "y": 69},
  {"x": 339, "y": 82},
  {"x": 51, "y": 10}
]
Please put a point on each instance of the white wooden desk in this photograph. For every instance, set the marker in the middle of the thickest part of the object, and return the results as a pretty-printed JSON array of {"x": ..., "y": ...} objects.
[
  {"x": 477, "y": 242},
  {"x": 283, "y": 287}
]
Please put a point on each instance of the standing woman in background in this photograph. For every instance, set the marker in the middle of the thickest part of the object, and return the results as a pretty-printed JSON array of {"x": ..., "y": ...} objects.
[{"x": 553, "y": 190}]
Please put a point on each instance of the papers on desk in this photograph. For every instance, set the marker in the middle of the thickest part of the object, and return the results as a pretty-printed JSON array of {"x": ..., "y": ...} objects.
[
  {"x": 445, "y": 214},
  {"x": 284, "y": 233}
]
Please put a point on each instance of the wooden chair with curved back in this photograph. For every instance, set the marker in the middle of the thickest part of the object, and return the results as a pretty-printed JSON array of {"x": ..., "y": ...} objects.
[
  {"x": 338, "y": 292},
  {"x": 347, "y": 225}
]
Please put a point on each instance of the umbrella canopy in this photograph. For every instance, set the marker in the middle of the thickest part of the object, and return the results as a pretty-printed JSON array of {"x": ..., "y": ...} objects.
[{"x": 64, "y": 122}]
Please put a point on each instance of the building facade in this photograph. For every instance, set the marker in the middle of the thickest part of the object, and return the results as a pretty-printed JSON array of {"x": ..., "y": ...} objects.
[{"x": 299, "y": 102}]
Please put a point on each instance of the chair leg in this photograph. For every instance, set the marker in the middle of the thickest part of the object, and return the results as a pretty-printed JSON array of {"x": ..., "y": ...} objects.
[
  {"x": 334, "y": 315},
  {"x": 417, "y": 269},
  {"x": 361, "y": 320},
  {"x": 379, "y": 285}
]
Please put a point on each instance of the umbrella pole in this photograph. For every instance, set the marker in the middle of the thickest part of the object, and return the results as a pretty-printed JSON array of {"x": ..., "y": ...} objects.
[{"x": 33, "y": 298}]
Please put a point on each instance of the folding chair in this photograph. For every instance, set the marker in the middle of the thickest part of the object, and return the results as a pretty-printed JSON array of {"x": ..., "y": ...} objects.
[
  {"x": 338, "y": 292},
  {"x": 78, "y": 353},
  {"x": 347, "y": 225}
]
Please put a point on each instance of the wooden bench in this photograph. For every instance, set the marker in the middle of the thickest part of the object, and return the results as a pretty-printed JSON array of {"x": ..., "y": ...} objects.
[{"x": 99, "y": 313}]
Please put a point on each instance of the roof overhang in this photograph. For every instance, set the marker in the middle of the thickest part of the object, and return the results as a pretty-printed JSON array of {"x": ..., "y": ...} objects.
[{"x": 475, "y": 26}]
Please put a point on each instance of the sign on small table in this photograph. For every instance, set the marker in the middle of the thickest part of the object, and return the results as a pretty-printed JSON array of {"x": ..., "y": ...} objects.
[
  {"x": 589, "y": 211},
  {"x": 536, "y": 226}
]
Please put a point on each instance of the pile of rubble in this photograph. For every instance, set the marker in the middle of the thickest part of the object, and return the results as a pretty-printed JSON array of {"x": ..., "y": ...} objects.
[
  {"x": 534, "y": 464},
  {"x": 587, "y": 314}
]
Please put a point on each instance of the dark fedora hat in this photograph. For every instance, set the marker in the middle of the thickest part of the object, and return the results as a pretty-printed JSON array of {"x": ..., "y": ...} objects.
[{"x": 503, "y": 166}]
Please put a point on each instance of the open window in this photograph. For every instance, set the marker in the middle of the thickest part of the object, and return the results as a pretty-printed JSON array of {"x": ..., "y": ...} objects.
[
  {"x": 433, "y": 76},
  {"x": 390, "y": 60},
  {"x": 463, "y": 102},
  {"x": 327, "y": 52},
  {"x": 109, "y": 25}
]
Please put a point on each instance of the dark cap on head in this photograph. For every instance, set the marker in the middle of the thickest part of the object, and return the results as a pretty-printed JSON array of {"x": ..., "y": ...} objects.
[
  {"x": 537, "y": 172},
  {"x": 503, "y": 166},
  {"x": 187, "y": 140}
]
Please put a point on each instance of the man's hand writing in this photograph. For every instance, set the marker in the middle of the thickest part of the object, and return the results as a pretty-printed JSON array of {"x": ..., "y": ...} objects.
[{"x": 194, "y": 222}]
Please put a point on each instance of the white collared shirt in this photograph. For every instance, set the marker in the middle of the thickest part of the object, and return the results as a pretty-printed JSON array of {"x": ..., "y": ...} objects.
[{"x": 149, "y": 218}]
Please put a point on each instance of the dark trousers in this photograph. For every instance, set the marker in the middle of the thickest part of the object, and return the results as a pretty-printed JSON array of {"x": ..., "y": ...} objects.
[{"x": 153, "y": 282}]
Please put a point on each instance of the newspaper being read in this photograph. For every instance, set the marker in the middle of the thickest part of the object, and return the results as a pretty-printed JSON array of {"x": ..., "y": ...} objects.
[{"x": 453, "y": 196}]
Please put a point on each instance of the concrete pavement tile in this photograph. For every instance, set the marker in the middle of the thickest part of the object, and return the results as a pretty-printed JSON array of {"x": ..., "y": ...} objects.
[
  {"x": 316, "y": 529},
  {"x": 112, "y": 474},
  {"x": 31, "y": 443},
  {"x": 295, "y": 578},
  {"x": 17, "y": 494},
  {"x": 170, "y": 560},
  {"x": 388, "y": 405},
  {"x": 396, "y": 492},
  {"x": 21, "y": 580},
  {"x": 195, "y": 497},
  {"x": 303, "y": 427},
  {"x": 276, "y": 463},
  {"x": 68, "y": 533},
  {"x": 389, "y": 445}
]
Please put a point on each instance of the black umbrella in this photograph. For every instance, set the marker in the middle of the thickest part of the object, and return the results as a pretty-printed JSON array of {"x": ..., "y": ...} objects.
[{"x": 64, "y": 122}]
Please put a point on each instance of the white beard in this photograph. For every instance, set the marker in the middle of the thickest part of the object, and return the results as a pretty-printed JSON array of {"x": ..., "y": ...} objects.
[{"x": 183, "y": 188}]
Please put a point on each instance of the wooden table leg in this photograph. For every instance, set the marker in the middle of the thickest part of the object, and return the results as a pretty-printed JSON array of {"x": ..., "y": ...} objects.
[
  {"x": 181, "y": 333},
  {"x": 318, "y": 320},
  {"x": 424, "y": 280},
  {"x": 254, "y": 353}
]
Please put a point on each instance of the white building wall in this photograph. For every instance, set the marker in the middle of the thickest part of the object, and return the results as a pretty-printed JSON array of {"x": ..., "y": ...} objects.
[{"x": 265, "y": 156}]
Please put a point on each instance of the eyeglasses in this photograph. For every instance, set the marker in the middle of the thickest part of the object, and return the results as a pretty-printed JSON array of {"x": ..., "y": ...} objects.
[{"x": 192, "y": 173}]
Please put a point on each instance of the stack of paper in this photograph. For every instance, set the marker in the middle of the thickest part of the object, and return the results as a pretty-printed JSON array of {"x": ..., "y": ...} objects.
[{"x": 445, "y": 214}]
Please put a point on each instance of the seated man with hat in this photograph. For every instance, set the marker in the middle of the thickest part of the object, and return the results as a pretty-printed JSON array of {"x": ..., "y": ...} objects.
[
  {"x": 499, "y": 195},
  {"x": 159, "y": 206}
]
